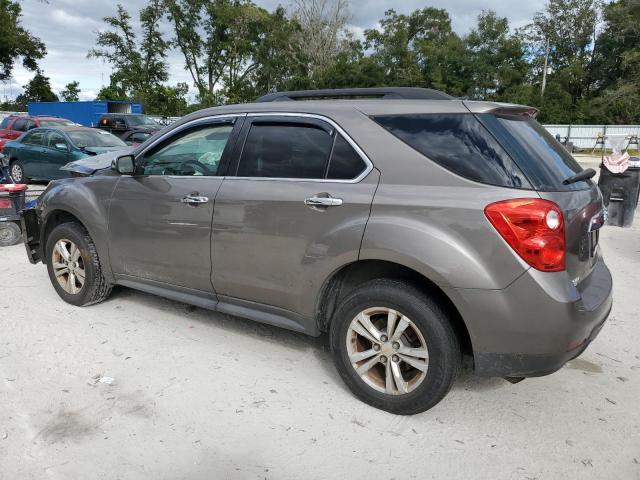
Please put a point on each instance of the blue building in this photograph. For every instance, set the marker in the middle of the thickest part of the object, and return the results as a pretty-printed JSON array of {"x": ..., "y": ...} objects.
[{"x": 84, "y": 113}]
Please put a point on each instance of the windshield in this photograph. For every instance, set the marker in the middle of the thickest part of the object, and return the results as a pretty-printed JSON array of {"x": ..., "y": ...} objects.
[
  {"x": 544, "y": 161},
  {"x": 136, "y": 120},
  {"x": 91, "y": 139},
  {"x": 56, "y": 123}
]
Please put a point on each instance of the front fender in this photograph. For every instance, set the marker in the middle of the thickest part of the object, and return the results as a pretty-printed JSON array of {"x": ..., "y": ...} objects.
[{"x": 87, "y": 199}]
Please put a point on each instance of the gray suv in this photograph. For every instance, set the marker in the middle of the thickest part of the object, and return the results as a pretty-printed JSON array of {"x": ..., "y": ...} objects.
[{"x": 412, "y": 227}]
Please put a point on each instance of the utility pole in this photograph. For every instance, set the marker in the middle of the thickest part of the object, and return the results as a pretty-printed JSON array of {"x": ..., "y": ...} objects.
[{"x": 546, "y": 66}]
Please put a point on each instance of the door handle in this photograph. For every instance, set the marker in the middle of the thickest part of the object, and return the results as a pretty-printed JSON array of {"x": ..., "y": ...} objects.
[
  {"x": 193, "y": 199},
  {"x": 328, "y": 201}
]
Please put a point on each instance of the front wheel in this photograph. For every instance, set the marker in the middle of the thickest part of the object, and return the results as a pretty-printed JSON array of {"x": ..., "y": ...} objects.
[
  {"x": 17, "y": 172},
  {"x": 74, "y": 267},
  {"x": 394, "y": 347}
]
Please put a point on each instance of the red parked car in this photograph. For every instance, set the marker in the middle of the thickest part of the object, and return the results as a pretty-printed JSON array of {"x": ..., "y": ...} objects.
[{"x": 15, "y": 125}]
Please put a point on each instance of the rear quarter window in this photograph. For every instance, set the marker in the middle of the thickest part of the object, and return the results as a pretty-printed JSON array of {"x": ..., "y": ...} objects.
[
  {"x": 459, "y": 143},
  {"x": 5, "y": 123}
]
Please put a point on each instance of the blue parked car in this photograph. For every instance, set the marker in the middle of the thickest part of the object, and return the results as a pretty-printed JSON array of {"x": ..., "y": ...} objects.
[{"x": 39, "y": 153}]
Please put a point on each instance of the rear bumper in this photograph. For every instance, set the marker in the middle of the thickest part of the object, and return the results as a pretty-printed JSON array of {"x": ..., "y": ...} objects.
[{"x": 536, "y": 325}]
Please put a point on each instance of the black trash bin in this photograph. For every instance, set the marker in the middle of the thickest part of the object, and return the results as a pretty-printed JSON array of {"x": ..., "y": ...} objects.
[{"x": 621, "y": 192}]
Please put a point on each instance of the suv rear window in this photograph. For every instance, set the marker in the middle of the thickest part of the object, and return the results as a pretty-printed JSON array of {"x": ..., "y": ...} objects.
[
  {"x": 458, "y": 142},
  {"x": 542, "y": 159}
]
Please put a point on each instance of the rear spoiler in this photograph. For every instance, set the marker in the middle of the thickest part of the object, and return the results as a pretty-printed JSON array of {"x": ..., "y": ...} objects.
[{"x": 501, "y": 108}]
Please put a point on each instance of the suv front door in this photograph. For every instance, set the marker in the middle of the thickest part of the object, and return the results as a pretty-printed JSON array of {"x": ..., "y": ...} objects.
[
  {"x": 294, "y": 212},
  {"x": 160, "y": 218}
]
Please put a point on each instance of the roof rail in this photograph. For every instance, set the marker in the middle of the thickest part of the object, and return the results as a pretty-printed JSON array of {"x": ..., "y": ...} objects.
[{"x": 384, "y": 93}]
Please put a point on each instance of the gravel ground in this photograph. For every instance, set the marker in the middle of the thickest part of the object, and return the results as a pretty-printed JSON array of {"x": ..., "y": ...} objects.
[{"x": 191, "y": 394}]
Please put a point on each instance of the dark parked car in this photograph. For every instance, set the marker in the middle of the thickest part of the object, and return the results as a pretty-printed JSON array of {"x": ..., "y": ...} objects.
[
  {"x": 412, "y": 227},
  {"x": 123, "y": 125},
  {"x": 136, "y": 137},
  {"x": 13, "y": 126},
  {"x": 39, "y": 153}
]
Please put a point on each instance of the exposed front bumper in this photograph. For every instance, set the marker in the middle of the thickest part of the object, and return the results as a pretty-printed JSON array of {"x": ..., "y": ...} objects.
[
  {"x": 537, "y": 324},
  {"x": 31, "y": 234}
]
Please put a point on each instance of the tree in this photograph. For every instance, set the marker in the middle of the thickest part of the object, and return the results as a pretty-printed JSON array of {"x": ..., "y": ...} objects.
[
  {"x": 71, "y": 92},
  {"x": 322, "y": 35},
  {"x": 568, "y": 28},
  {"x": 16, "y": 42},
  {"x": 420, "y": 50},
  {"x": 37, "y": 90},
  {"x": 497, "y": 61},
  {"x": 616, "y": 73},
  {"x": 138, "y": 68}
]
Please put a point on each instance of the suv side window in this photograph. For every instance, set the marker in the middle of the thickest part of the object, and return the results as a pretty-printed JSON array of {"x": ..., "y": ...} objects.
[
  {"x": 345, "y": 162},
  {"x": 5, "y": 122},
  {"x": 20, "y": 125},
  {"x": 285, "y": 150},
  {"x": 193, "y": 152},
  {"x": 459, "y": 143},
  {"x": 34, "y": 138}
]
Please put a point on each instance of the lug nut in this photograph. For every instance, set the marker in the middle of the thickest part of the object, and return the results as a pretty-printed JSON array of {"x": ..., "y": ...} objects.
[
  {"x": 383, "y": 338},
  {"x": 376, "y": 347},
  {"x": 395, "y": 358},
  {"x": 383, "y": 359},
  {"x": 396, "y": 345}
]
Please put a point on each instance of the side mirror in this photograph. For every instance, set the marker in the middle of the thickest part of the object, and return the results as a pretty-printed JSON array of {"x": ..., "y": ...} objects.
[
  {"x": 62, "y": 147},
  {"x": 125, "y": 165}
]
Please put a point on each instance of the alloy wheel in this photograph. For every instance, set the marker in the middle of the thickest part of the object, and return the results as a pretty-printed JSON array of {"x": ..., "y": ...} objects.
[
  {"x": 387, "y": 350},
  {"x": 16, "y": 173},
  {"x": 68, "y": 266}
]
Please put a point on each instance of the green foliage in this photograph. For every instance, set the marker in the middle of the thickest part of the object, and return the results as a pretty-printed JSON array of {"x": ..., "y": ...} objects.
[
  {"x": 37, "y": 90},
  {"x": 235, "y": 51},
  {"x": 16, "y": 42},
  {"x": 71, "y": 92}
]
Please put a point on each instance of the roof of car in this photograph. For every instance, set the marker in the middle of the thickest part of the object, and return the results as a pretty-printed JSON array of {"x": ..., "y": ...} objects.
[
  {"x": 366, "y": 107},
  {"x": 73, "y": 128}
]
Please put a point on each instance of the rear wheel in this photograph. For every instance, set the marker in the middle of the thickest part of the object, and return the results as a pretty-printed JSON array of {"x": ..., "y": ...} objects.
[
  {"x": 10, "y": 234},
  {"x": 74, "y": 267},
  {"x": 17, "y": 172},
  {"x": 394, "y": 347}
]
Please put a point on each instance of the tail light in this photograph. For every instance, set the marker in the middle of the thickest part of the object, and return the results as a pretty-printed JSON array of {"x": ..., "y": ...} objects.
[{"x": 534, "y": 228}]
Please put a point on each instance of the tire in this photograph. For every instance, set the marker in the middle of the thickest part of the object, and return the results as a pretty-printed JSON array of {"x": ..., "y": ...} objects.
[
  {"x": 10, "y": 234},
  {"x": 94, "y": 288},
  {"x": 429, "y": 325},
  {"x": 17, "y": 172}
]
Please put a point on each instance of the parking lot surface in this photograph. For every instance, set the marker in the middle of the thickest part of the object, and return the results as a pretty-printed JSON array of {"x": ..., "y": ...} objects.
[{"x": 140, "y": 387}]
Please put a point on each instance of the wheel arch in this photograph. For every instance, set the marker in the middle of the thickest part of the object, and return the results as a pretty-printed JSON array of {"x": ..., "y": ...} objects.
[{"x": 352, "y": 275}]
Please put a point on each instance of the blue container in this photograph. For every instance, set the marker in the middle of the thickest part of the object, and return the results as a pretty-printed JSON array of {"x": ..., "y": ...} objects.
[{"x": 84, "y": 113}]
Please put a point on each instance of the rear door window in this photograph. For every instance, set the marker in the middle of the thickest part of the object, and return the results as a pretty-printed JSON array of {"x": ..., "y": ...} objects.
[
  {"x": 34, "y": 138},
  {"x": 542, "y": 159},
  {"x": 345, "y": 163},
  {"x": 20, "y": 125},
  {"x": 285, "y": 150},
  {"x": 457, "y": 142},
  {"x": 5, "y": 122}
]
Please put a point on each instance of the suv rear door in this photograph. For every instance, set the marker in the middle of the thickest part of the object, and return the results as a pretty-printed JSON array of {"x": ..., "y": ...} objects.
[
  {"x": 160, "y": 217},
  {"x": 291, "y": 211}
]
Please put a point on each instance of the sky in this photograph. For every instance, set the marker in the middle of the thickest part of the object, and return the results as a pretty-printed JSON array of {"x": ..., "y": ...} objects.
[{"x": 68, "y": 29}]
